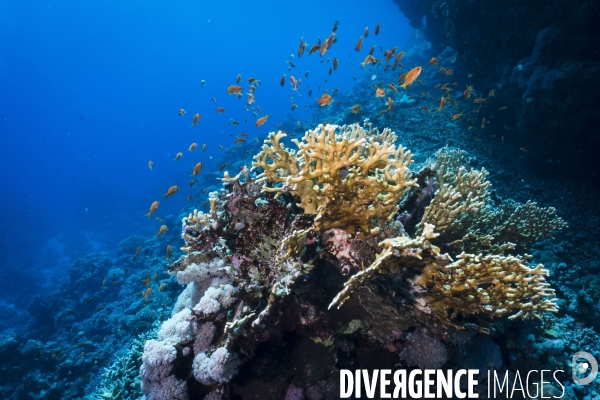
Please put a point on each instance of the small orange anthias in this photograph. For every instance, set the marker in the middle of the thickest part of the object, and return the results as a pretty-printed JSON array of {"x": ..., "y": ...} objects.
[
  {"x": 325, "y": 100},
  {"x": 262, "y": 120},
  {"x": 411, "y": 77},
  {"x": 195, "y": 120}
]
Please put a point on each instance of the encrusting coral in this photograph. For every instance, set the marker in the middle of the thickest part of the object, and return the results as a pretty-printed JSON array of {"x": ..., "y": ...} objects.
[{"x": 427, "y": 250}]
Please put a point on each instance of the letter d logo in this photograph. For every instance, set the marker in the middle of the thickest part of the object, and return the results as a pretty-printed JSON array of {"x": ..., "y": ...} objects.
[{"x": 581, "y": 368}]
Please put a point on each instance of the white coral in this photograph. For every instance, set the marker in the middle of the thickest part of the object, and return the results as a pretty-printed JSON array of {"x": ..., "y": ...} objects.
[
  {"x": 177, "y": 328},
  {"x": 157, "y": 360},
  {"x": 168, "y": 388},
  {"x": 219, "y": 367},
  {"x": 214, "y": 298}
]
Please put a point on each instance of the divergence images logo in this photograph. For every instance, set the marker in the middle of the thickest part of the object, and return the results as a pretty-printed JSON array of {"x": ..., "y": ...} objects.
[{"x": 581, "y": 367}]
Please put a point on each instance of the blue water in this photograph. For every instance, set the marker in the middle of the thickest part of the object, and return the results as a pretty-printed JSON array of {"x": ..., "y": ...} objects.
[{"x": 90, "y": 92}]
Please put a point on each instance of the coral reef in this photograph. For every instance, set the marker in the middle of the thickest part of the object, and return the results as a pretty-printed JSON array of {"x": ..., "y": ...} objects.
[{"x": 344, "y": 211}]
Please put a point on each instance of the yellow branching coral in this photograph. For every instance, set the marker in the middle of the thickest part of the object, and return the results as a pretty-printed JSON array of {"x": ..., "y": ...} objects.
[
  {"x": 457, "y": 206},
  {"x": 492, "y": 284},
  {"x": 411, "y": 251},
  {"x": 474, "y": 284},
  {"x": 524, "y": 224},
  {"x": 465, "y": 216},
  {"x": 349, "y": 179}
]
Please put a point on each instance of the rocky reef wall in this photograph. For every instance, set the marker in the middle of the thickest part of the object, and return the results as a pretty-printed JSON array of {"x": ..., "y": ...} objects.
[{"x": 542, "y": 59}]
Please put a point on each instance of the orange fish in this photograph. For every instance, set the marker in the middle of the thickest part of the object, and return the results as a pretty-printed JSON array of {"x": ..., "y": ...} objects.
[
  {"x": 197, "y": 169},
  {"x": 366, "y": 31},
  {"x": 433, "y": 61},
  {"x": 503, "y": 108},
  {"x": 261, "y": 120},
  {"x": 150, "y": 165},
  {"x": 178, "y": 156},
  {"x": 399, "y": 56},
  {"x": 326, "y": 45},
  {"x": 203, "y": 147},
  {"x": 479, "y": 108},
  {"x": 172, "y": 190},
  {"x": 467, "y": 92},
  {"x": 450, "y": 100},
  {"x": 195, "y": 120},
  {"x": 456, "y": 116},
  {"x": 169, "y": 252},
  {"x": 220, "y": 110},
  {"x": 239, "y": 140},
  {"x": 325, "y": 100},
  {"x": 492, "y": 93},
  {"x": 379, "y": 92},
  {"x": 294, "y": 82},
  {"x": 390, "y": 103},
  {"x": 442, "y": 70},
  {"x": 392, "y": 87},
  {"x": 314, "y": 48},
  {"x": 181, "y": 111},
  {"x": 359, "y": 44},
  {"x": 355, "y": 109},
  {"x": 301, "y": 47},
  {"x": 250, "y": 99},
  {"x": 377, "y": 28},
  {"x": 193, "y": 146},
  {"x": 329, "y": 40},
  {"x": 442, "y": 103},
  {"x": 523, "y": 149},
  {"x": 402, "y": 77},
  {"x": 368, "y": 59},
  {"x": 410, "y": 78},
  {"x": 147, "y": 294},
  {"x": 426, "y": 109},
  {"x": 483, "y": 121},
  {"x": 153, "y": 208},
  {"x": 146, "y": 280},
  {"x": 162, "y": 286},
  {"x": 479, "y": 100},
  {"x": 231, "y": 89},
  {"x": 163, "y": 229},
  {"x": 449, "y": 71}
]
